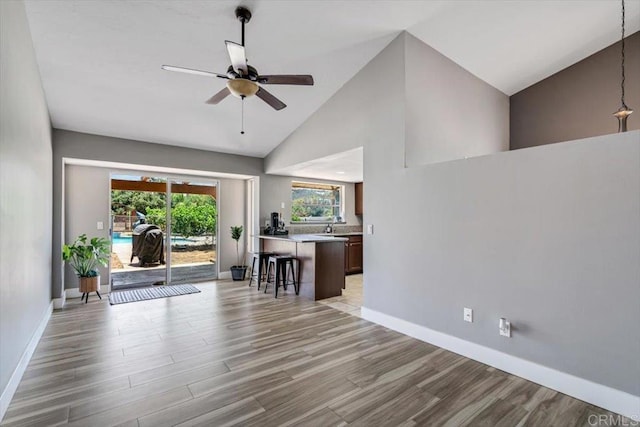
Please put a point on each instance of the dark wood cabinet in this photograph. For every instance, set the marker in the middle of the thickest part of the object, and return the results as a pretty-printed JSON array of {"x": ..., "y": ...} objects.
[
  {"x": 353, "y": 255},
  {"x": 358, "y": 197}
]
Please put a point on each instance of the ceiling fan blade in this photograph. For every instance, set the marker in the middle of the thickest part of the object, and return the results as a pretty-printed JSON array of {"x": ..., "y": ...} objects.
[
  {"x": 193, "y": 71},
  {"x": 287, "y": 79},
  {"x": 218, "y": 96},
  {"x": 270, "y": 99},
  {"x": 238, "y": 57}
]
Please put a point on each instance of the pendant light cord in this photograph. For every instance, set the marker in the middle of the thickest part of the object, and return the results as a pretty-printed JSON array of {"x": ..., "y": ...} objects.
[{"x": 623, "y": 77}]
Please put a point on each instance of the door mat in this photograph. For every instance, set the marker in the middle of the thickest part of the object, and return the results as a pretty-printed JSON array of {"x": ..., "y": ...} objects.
[{"x": 133, "y": 295}]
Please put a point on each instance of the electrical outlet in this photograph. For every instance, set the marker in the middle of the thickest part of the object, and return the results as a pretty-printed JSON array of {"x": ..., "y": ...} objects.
[
  {"x": 100, "y": 225},
  {"x": 369, "y": 228},
  {"x": 468, "y": 315},
  {"x": 505, "y": 328}
]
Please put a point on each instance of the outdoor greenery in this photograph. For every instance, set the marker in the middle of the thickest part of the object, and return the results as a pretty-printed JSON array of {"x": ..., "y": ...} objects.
[
  {"x": 186, "y": 219},
  {"x": 85, "y": 257},
  {"x": 191, "y": 214},
  {"x": 125, "y": 201},
  {"x": 313, "y": 204}
]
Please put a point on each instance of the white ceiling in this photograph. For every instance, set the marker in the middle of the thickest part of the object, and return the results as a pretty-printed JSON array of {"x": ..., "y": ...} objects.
[
  {"x": 346, "y": 166},
  {"x": 100, "y": 60}
]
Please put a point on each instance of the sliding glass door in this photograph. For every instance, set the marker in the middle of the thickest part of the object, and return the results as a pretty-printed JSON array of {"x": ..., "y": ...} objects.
[
  {"x": 159, "y": 222},
  {"x": 193, "y": 231}
]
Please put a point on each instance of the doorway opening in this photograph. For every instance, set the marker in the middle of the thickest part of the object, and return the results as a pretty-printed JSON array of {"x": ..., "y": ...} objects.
[{"x": 163, "y": 230}]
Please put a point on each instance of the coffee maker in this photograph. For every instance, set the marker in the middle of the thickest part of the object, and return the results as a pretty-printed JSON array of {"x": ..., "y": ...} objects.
[{"x": 276, "y": 225}]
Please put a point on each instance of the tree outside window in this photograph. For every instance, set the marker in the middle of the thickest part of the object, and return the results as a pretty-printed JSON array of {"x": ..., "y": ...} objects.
[{"x": 311, "y": 202}]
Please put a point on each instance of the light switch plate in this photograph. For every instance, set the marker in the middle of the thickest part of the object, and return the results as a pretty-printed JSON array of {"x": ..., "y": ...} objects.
[
  {"x": 100, "y": 225},
  {"x": 468, "y": 315},
  {"x": 282, "y": 205},
  {"x": 506, "y": 332},
  {"x": 369, "y": 228}
]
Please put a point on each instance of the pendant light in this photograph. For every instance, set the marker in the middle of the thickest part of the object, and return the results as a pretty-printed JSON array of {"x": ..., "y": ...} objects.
[{"x": 624, "y": 111}]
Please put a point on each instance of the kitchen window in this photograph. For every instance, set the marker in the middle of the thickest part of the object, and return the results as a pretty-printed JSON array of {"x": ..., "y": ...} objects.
[{"x": 313, "y": 202}]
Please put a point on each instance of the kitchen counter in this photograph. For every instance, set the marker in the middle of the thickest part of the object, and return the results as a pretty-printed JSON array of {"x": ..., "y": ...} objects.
[
  {"x": 321, "y": 269},
  {"x": 305, "y": 238},
  {"x": 353, "y": 233}
]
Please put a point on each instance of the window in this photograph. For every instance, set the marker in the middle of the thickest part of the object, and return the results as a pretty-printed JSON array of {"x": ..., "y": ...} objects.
[{"x": 316, "y": 202}]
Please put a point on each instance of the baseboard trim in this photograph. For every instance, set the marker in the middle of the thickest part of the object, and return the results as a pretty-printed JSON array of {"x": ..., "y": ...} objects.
[
  {"x": 597, "y": 394},
  {"x": 224, "y": 275},
  {"x": 14, "y": 381},
  {"x": 58, "y": 303},
  {"x": 75, "y": 292}
]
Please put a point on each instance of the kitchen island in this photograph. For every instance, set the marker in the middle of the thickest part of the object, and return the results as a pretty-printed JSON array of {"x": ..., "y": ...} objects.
[{"x": 321, "y": 260}]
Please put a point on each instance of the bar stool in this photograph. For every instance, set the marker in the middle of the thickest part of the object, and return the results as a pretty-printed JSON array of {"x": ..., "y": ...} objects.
[
  {"x": 278, "y": 269},
  {"x": 262, "y": 258}
]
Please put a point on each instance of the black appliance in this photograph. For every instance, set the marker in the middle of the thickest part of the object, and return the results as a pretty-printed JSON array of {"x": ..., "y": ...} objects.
[
  {"x": 276, "y": 227},
  {"x": 275, "y": 220}
]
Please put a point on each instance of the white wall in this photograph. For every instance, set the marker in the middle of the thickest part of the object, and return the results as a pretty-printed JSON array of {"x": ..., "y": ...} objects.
[{"x": 25, "y": 199}]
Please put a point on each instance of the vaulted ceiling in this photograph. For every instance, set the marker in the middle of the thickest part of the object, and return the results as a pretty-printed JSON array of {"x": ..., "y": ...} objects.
[{"x": 100, "y": 60}]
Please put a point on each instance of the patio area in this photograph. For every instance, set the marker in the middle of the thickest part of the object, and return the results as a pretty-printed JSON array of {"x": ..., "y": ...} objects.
[{"x": 188, "y": 264}]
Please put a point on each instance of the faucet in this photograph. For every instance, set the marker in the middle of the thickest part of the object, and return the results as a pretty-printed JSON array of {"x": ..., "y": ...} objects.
[{"x": 328, "y": 228}]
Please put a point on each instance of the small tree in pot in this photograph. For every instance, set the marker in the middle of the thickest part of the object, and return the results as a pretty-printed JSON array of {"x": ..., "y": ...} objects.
[
  {"x": 85, "y": 258},
  {"x": 239, "y": 270}
]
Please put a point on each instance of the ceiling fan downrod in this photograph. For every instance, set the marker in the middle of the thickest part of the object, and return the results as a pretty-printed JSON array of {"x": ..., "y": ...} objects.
[{"x": 244, "y": 15}]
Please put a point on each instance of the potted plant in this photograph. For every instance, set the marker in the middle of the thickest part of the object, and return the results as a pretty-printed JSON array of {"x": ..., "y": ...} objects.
[
  {"x": 85, "y": 257},
  {"x": 239, "y": 270}
]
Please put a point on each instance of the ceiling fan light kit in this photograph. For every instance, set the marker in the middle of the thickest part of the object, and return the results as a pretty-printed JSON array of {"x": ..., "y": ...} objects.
[
  {"x": 243, "y": 80},
  {"x": 242, "y": 88}
]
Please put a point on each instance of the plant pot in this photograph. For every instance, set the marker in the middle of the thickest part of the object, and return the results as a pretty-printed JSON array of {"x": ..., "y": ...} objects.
[
  {"x": 238, "y": 273},
  {"x": 89, "y": 284}
]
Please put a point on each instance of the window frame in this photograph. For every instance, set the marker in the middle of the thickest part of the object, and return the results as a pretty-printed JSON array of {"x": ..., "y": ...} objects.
[{"x": 336, "y": 219}]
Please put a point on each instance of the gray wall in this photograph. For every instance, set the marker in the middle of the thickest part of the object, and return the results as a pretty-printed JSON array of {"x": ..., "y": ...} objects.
[
  {"x": 67, "y": 144},
  {"x": 87, "y": 201},
  {"x": 450, "y": 113},
  {"x": 340, "y": 124},
  {"x": 579, "y": 101},
  {"x": 434, "y": 88},
  {"x": 548, "y": 237},
  {"x": 233, "y": 205},
  {"x": 25, "y": 191}
]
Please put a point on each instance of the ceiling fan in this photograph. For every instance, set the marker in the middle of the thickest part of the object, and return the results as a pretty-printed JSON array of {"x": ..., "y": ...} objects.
[{"x": 243, "y": 80}]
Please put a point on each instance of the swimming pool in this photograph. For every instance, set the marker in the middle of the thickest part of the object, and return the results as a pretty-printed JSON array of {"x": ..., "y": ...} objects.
[{"x": 121, "y": 239}]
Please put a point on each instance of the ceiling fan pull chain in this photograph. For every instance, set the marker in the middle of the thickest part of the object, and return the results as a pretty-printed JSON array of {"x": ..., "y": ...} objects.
[{"x": 242, "y": 118}]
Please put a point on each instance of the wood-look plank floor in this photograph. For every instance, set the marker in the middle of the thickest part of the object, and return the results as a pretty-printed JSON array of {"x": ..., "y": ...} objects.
[{"x": 234, "y": 356}]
